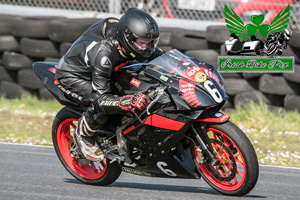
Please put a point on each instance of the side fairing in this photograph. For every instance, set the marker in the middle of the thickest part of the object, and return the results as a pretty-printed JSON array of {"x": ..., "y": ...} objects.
[
  {"x": 186, "y": 95},
  {"x": 130, "y": 82}
]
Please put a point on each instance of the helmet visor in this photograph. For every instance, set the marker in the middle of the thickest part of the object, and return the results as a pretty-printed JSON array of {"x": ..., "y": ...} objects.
[{"x": 143, "y": 44}]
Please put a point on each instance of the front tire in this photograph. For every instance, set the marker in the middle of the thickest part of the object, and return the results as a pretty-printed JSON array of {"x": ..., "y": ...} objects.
[
  {"x": 238, "y": 171},
  {"x": 95, "y": 173}
]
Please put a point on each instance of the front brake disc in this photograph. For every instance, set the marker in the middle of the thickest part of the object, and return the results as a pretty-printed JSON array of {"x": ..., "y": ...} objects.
[{"x": 226, "y": 170}]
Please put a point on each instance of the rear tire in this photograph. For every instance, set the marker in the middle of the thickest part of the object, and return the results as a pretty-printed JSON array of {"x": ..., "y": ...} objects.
[
  {"x": 238, "y": 172},
  {"x": 62, "y": 130}
]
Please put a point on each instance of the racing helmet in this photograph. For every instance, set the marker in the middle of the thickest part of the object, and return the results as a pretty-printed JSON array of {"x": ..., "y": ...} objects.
[
  {"x": 287, "y": 33},
  {"x": 138, "y": 34}
]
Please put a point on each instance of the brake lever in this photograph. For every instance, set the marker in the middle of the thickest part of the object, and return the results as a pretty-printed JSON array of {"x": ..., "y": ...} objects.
[{"x": 160, "y": 93}]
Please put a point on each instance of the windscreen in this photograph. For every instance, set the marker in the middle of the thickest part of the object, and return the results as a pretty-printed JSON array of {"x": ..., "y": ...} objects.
[{"x": 176, "y": 63}]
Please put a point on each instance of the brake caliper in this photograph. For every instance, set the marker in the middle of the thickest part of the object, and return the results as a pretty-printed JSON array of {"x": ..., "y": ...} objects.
[{"x": 201, "y": 158}]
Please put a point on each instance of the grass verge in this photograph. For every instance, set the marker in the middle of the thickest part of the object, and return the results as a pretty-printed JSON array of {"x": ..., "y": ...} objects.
[
  {"x": 27, "y": 120},
  {"x": 274, "y": 135}
]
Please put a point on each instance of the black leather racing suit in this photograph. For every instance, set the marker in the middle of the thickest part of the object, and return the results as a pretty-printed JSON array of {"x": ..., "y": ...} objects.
[{"x": 85, "y": 70}]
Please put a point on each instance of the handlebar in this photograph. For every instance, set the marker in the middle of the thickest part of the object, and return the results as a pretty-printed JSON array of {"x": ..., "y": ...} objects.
[{"x": 160, "y": 92}]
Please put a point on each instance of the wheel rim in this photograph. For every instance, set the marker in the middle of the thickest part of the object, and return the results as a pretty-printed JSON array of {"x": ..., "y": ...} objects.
[
  {"x": 237, "y": 167},
  {"x": 90, "y": 171}
]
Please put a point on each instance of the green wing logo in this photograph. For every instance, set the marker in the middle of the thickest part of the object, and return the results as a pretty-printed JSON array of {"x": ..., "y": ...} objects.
[
  {"x": 236, "y": 25},
  {"x": 280, "y": 22}
]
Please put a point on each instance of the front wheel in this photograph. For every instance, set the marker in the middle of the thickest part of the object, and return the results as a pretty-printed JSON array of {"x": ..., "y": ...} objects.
[
  {"x": 96, "y": 173},
  {"x": 238, "y": 170}
]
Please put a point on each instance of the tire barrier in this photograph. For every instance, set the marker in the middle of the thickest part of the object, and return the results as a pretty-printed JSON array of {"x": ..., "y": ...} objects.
[
  {"x": 68, "y": 30},
  {"x": 24, "y": 40}
]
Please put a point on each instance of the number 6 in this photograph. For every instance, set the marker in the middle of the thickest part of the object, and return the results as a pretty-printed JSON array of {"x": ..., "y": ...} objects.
[
  {"x": 169, "y": 172},
  {"x": 213, "y": 92}
]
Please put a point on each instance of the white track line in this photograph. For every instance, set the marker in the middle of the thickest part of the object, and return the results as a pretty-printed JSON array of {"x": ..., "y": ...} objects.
[
  {"x": 284, "y": 167},
  {"x": 32, "y": 145}
]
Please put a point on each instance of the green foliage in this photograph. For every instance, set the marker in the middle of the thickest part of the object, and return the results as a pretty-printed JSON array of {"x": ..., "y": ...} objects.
[
  {"x": 275, "y": 135},
  {"x": 27, "y": 120},
  {"x": 29, "y": 104}
]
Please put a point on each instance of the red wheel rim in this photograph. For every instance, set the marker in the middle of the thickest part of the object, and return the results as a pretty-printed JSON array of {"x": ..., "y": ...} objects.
[
  {"x": 240, "y": 176},
  {"x": 63, "y": 138}
]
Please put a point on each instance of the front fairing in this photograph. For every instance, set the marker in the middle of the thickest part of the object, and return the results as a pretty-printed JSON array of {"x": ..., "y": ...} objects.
[{"x": 198, "y": 84}]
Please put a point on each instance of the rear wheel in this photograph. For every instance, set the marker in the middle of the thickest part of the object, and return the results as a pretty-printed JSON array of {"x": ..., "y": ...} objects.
[
  {"x": 97, "y": 173},
  {"x": 238, "y": 170}
]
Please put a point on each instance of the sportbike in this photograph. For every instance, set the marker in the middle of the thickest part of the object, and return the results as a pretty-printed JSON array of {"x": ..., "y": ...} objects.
[{"x": 181, "y": 133}]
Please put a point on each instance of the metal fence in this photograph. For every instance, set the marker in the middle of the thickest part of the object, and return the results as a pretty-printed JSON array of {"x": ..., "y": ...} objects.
[{"x": 211, "y": 10}]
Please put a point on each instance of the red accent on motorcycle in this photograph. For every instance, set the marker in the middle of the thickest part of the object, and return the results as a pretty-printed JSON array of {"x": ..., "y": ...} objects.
[
  {"x": 53, "y": 70},
  {"x": 129, "y": 129},
  {"x": 56, "y": 82},
  {"x": 63, "y": 139},
  {"x": 162, "y": 122},
  {"x": 232, "y": 165},
  {"x": 223, "y": 118}
]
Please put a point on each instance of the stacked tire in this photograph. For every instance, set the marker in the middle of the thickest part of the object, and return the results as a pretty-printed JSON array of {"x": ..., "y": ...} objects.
[{"x": 24, "y": 40}]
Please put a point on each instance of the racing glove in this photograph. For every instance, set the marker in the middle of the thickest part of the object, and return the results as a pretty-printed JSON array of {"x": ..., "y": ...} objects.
[{"x": 138, "y": 100}]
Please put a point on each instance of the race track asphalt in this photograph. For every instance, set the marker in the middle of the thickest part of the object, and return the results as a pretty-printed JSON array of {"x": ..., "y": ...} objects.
[{"x": 34, "y": 172}]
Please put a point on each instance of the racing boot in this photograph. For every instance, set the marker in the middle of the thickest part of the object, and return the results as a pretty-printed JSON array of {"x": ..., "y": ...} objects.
[{"x": 84, "y": 137}]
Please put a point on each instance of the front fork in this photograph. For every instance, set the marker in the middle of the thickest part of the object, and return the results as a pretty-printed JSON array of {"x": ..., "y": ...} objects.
[{"x": 205, "y": 143}]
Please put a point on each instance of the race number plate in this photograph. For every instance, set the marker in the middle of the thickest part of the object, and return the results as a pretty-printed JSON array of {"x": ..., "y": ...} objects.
[{"x": 197, "y": 5}]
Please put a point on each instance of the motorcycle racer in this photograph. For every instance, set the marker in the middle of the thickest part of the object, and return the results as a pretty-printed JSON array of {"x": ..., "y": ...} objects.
[{"x": 85, "y": 71}]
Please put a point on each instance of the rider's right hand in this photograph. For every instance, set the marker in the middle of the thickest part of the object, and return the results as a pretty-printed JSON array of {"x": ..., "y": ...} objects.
[{"x": 138, "y": 101}]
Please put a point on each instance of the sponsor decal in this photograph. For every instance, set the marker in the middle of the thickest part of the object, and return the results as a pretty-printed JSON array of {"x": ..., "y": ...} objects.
[
  {"x": 105, "y": 62},
  {"x": 68, "y": 92},
  {"x": 164, "y": 78},
  {"x": 133, "y": 171},
  {"x": 135, "y": 82},
  {"x": 191, "y": 72},
  {"x": 200, "y": 77},
  {"x": 109, "y": 103},
  {"x": 188, "y": 93}
]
